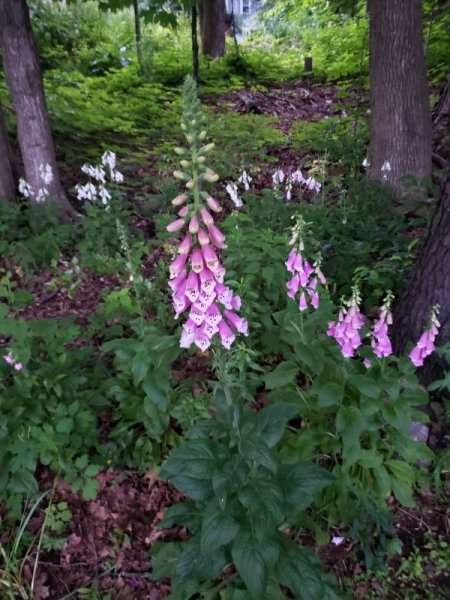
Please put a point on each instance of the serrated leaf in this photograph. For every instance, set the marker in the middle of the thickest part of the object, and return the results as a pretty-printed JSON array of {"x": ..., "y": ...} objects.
[
  {"x": 349, "y": 423},
  {"x": 256, "y": 450},
  {"x": 270, "y": 422},
  {"x": 263, "y": 499},
  {"x": 302, "y": 482},
  {"x": 250, "y": 565},
  {"x": 365, "y": 385},
  {"x": 218, "y": 528}
]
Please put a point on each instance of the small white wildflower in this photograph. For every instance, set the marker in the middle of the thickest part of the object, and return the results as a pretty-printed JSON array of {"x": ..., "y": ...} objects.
[
  {"x": 25, "y": 188},
  {"x": 385, "y": 168},
  {"x": 297, "y": 177},
  {"x": 117, "y": 176},
  {"x": 88, "y": 169},
  {"x": 337, "y": 540},
  {"x": 104, "y": 195},
  {"x": 109, "y": 159},
  {"x": 42, "y": 195},
  {"x": 234, "y": 196},
  {"x": 366, "y": 163},
  {"x": 289, "y": 187},
  {"x": 245, "y": 179},
  {"x": 46, "y": 173},
  {"x": 86, "y": 192},
  {"x": 278, "y": 177},
  {"x": 312, "y": 184}
]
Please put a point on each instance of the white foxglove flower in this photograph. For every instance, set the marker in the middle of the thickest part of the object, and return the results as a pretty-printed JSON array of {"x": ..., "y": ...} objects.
[
  {"x": 42, "y": 195},
  {"x": 245, "y": 179},
  {"x": 109, "y": 160},
  {"x": 25, "y": 188},
  {"x": 278, "y": 177},
  {"x": 46, "y": 173},
  {"x": 234, "y": 196}
]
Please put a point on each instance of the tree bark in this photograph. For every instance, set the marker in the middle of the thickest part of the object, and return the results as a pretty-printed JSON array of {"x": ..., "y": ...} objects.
[
  {"x": 137, "y": 33},
  {"x": 194, "y": 41},
  {"x": 212, "y": 27},
  {"x": 7, "y": 183},
  {"x": 24, "y": 78},
  {"x": 429, "y": 285},
  {"x": 400, "y": 129},
  {"x": 441, "y": 122}
]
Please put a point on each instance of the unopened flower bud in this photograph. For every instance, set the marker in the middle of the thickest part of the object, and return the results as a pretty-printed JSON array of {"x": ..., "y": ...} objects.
[
  {"x": 193, "y": 225},
  {"x": 210, "y": 176},
  {"x": 179, "y": 200},
  {"x": 179, "y": 151},
  {"x": 179, "y": 175},
  {"x": 202, "y": 135},
  {"x": 207, "y": 147},
  {"x": 201, "y": 159},
  {"x": 183, "y": 211},
  {"x": 190, "y": 184},
  {"x": 175, "y": 225},
  {"x": 185, "y": 164},
  {"x": 213, "y": 204},
  {"x": 190, "y": 138},
  {"x": 183, "y": 127},
  {"x": 206, "y": 217},
  {"x": 203, "y": 237}
]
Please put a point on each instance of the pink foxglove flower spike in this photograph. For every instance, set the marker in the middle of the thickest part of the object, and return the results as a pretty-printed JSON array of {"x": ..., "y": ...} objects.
[
  {"x": 426, "y": 344},
  {"x": 306, "y": 277},
  {"x": 346, "y": 329},
  {"x": 196, "y": 274}
]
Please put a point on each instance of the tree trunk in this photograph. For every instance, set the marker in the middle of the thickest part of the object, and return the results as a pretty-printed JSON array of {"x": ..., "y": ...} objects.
[
  {"x": 429, "y": 285},
  {"x": 400, "y": 129},
  {"x": 212, "y": 27},
  {"x": 441, "y": 122},
  {"x": 23, "y": 75},
  {"x": 7, "y": 184},
  {"x": 137, "y": 33},
  {"x": 194, "y": 40}
]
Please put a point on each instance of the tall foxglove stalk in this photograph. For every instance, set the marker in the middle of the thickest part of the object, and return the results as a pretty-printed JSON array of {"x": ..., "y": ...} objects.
[
  {"x": 196, "y": 273},
  {"x": 346, "y": 329},
  {"x": 381, "y": 343},
  {"x": 426, "y": 344},
  {"x": 306, "y": 278}
]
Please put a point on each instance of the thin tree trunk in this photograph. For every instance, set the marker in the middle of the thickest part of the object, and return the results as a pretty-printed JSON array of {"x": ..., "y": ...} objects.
[
  {"x": 441, "y": 122},
  {"x": 212, "y": 27},
  {"x": 194, "y": 37},
  {"x": 7, "y": 184},
  {"x": 400, "y": 136},
  {"x": 429, "y": 285},
  {"x": 137, "y": 33},
  {"x": 23, "y": 75}
]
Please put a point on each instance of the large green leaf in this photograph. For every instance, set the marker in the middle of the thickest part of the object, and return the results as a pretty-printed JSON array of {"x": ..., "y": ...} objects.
[
  {"x": 270, "y": 422},
  {"x": 330, "y": 394},
  {"x": 254, "y": 560},
  {"x": 302, "y": 482},
  {"x": 283, "y": 374},
  {"x": 218, "y": 528}
]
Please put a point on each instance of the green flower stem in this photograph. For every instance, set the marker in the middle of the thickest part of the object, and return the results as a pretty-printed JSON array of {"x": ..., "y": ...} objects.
[{"x": 195, "y": 178}]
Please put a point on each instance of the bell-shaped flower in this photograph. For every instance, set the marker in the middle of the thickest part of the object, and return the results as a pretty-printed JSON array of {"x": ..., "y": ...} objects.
[
  {"x": 239, "y": 323},
  {"x": 185, "y": 245},
  {"x": 211, "y": 260},
  {"x": 177, "y": 266},
  {"x": 197, "y": 260},
  {"x": 227, "y": 337}
]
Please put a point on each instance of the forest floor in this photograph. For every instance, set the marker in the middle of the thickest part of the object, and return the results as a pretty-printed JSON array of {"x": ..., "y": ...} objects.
[{"x": 106, "y": 545}]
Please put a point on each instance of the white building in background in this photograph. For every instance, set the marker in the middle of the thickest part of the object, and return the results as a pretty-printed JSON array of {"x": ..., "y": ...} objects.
[{"x": 242, "y": 7}]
